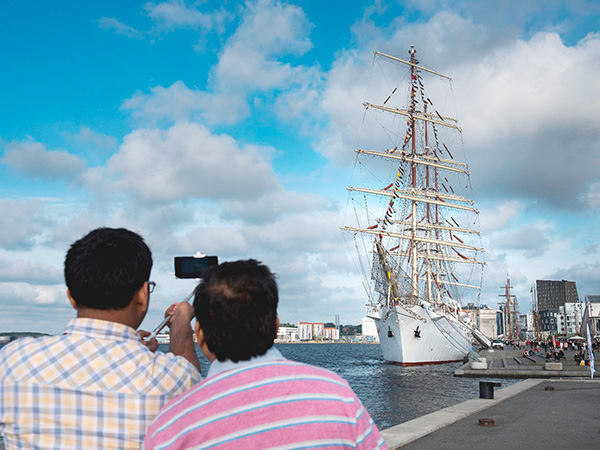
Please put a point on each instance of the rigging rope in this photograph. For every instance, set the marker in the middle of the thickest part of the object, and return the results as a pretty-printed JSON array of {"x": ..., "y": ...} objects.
[
  {"x": 448, "y": 335},
  {"x": 400, "y": 174}
]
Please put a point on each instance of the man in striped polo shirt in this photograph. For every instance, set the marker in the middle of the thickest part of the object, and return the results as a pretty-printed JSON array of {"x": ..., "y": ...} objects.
[{"x": 252, "y": 397}]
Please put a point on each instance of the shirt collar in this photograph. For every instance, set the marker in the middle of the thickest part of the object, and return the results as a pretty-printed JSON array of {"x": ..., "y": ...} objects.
[
  {"x": 100, "y": 329},
  {"x": 217, "y": 367}
]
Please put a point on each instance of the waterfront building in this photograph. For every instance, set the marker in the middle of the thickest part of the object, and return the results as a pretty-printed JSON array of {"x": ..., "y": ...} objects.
[
  {"x": 308, "y": 331},
  {"x": 164, "y": 338},
  {"x": 549, "y": 322},
  {"x": 305, "y": 331},
  {"x": 486, "y": 319},
  {"x": 331, "y": 334},
  {"x": 369, "y": 328},
  {"x": 526, "y": 327},
  {"x": 551, "y": 294},
  {"x": 570, "y": 317},
  {"x": 591, "y": 315},
  {"x": 317, "y": 330},
  {"x": 500, "y": 321},
  {"x": 288, "y": 334}
]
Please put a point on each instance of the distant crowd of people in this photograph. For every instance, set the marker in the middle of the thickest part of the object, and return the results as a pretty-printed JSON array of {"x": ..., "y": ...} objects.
[{"x": 554, "y": 351}]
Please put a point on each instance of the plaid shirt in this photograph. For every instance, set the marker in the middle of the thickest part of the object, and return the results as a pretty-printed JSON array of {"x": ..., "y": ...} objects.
[{"x": 96, "y": 386}]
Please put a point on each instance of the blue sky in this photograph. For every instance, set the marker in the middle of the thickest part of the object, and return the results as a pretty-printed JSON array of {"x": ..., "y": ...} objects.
[{"x": 229, "y": 128}]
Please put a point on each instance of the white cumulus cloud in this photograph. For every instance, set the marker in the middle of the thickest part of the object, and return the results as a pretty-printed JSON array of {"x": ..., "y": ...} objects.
[
  {"x": 21, "y": 223},
  {"x": 22, "y": 293},
  {"x": 187, "y": 160},
  {"x": 17, "y": 270},
  {"x": 251, "y": 62},
  {"x": 176, "y": 14},
  {"x": 35, "y": 160}
]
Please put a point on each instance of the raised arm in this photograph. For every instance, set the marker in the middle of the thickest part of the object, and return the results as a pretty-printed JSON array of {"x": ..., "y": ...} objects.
[{"x": 182, "y": 335}]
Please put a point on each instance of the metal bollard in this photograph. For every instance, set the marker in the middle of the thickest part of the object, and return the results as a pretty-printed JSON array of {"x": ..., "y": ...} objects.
[{"x": 486, "y": 389}]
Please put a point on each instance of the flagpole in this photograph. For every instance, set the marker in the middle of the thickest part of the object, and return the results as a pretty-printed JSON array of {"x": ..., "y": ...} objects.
[{"x": 590, "y": 351}]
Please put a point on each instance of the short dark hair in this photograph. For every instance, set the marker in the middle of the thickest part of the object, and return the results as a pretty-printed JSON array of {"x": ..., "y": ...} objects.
[
  {"x": 106, "y": 267},
  {"x": 236, "y": 307}
]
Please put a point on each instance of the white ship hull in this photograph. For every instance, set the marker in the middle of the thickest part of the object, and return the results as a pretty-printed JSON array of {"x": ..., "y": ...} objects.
[{"x": 441, "y": 339}]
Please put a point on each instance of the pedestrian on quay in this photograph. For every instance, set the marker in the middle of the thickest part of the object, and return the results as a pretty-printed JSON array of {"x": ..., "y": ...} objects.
[
  {"x": 253, "y": 397},
  {"x": 97, "y": 385}
]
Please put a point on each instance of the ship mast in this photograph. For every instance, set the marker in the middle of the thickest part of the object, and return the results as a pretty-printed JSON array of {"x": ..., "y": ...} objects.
[
  {"x": 428, "y": 231},
  {"x": 534, "y": 311},
  {"x": 511, "y": 312},
  {"x": 427, "y": 240},
  {"x": 413, "y": 93}
]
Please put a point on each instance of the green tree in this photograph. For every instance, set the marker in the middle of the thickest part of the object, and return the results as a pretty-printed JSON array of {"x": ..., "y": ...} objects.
[{"x": 350, "y": 330}]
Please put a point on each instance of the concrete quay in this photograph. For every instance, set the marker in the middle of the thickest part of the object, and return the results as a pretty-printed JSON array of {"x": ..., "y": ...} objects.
[
  {"x": 512, "y": 364},
  {"x": 533, "y": 414}
]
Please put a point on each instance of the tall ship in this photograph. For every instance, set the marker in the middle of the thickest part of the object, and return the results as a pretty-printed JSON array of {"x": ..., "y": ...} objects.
[{"x": 415, "y": 231}]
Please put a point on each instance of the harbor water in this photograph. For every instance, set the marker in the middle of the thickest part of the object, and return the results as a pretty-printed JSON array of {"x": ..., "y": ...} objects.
[{"x": 391, "y": 393}]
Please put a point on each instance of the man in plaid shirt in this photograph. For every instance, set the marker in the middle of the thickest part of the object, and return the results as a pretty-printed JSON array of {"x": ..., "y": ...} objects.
[{"x": 97, "y": 385}]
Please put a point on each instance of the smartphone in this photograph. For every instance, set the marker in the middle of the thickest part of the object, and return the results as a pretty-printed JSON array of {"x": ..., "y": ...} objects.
[{"x": 192, "y": 267}]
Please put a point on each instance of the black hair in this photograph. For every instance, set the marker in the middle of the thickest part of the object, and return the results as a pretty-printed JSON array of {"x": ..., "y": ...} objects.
[
  {"x": 236, "y": 307},
  {"x": 105, "y": 268}
]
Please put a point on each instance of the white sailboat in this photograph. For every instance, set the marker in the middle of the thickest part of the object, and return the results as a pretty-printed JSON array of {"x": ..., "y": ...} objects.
[{"x": 416, "y": 236}]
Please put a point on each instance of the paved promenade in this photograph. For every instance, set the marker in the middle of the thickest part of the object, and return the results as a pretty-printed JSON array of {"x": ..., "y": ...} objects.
[
  {"x": 513, "y": 364},
  {"x": 532, "y": 414}
]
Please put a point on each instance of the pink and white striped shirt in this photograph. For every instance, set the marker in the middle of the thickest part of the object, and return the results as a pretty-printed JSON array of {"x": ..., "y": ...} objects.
[{"x": 267, "y": 402}]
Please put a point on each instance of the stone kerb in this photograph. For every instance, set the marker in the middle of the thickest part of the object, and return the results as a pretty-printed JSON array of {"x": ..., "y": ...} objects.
[
  {"x": 553, "y": 366},
  {"x": 479, "y": 365}
]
